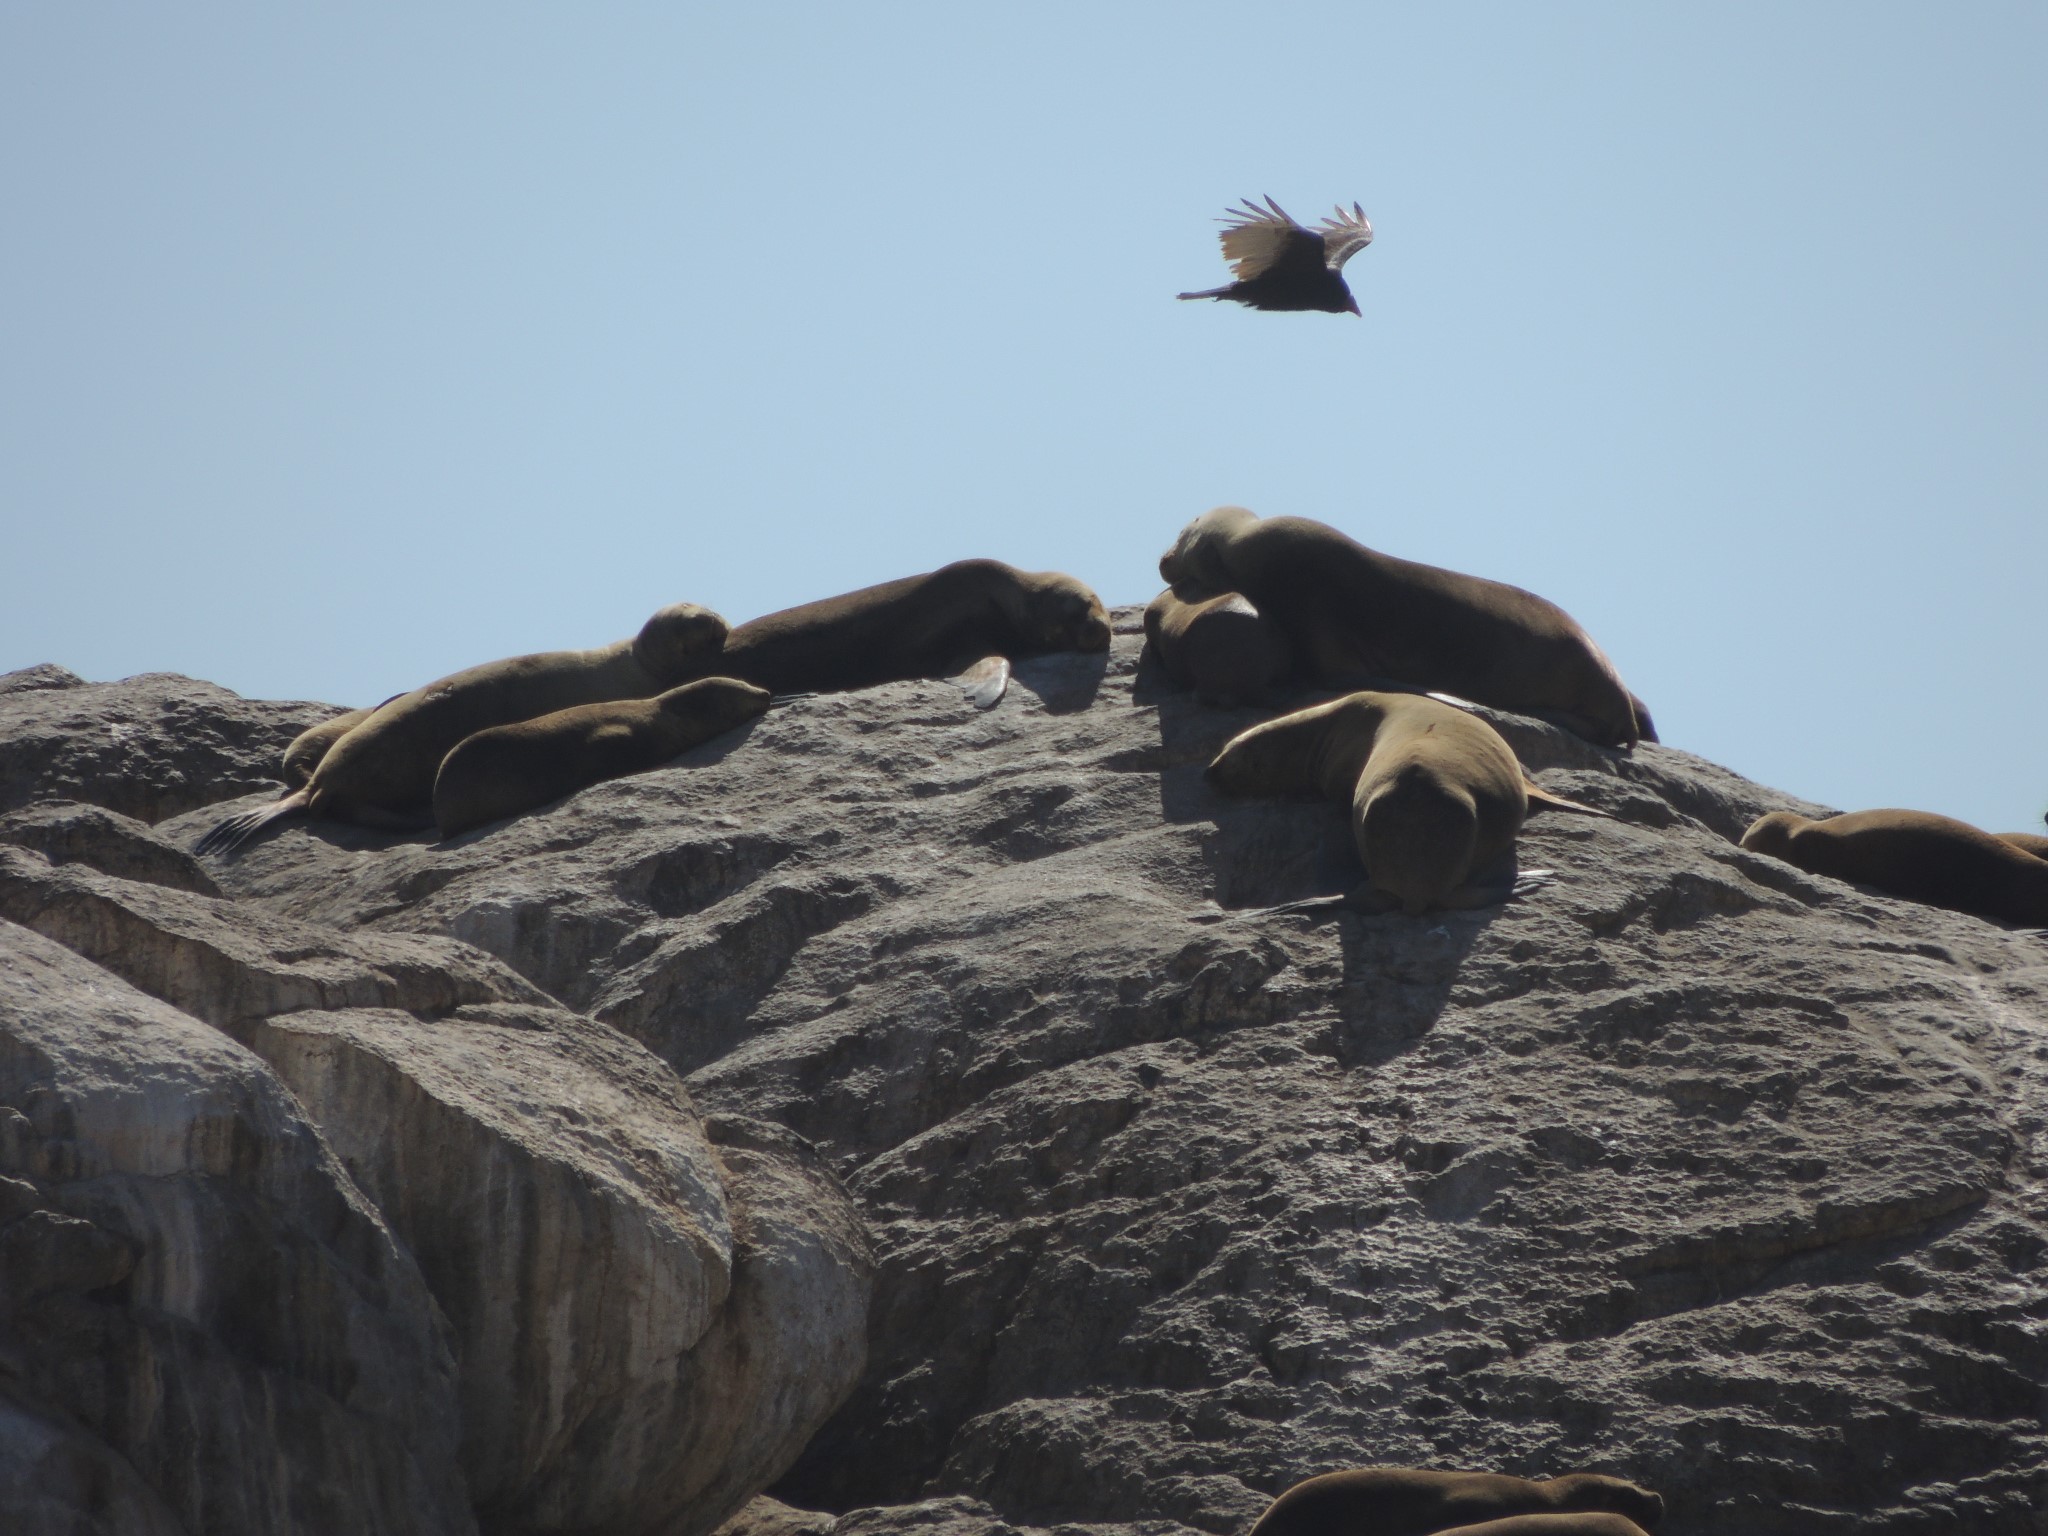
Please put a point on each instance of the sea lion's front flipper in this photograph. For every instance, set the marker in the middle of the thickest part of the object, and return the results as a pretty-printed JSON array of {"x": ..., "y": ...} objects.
[
  {"x": 985, "y": 682},
  {"x": 1541, "y": 799}
]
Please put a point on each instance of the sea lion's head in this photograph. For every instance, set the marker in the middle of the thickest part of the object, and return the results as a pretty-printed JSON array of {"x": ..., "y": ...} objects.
[
  {"x": 1615, "y": 1495},
  {"x": 1196, "y": 563},
  {"x": 714, "y": 705},
  {"x": 675, "y": 634},
  {"x": 1772, "y": 834},
  {"x": 1417, "y": 834},
  {"x": 1066, "y": 615}
]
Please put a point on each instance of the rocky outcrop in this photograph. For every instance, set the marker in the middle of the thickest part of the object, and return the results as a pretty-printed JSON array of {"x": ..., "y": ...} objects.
[
  {"x": 205, "y": 1326},
  {"x": 638, "y": 1318},
  {"x": 147, "y": 747},
  {"x": 1689, "y": 1166}
]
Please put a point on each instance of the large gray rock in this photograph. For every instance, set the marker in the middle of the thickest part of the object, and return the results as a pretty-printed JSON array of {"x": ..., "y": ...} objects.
[
  {"x": 1690, "y": 1167},
  {"x": 148, "y": 747},
  {"x": 205, "y": 1326},
  {"x": 645, "y": 1318}
]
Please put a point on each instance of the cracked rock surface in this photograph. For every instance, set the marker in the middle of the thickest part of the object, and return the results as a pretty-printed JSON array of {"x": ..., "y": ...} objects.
[
  {"x": 1690, "y": 1166},
  {"x": 225, "y": 1130}
]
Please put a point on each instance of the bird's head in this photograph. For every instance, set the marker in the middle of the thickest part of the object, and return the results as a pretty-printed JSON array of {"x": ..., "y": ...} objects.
[{"x": 1351, "y": 303}]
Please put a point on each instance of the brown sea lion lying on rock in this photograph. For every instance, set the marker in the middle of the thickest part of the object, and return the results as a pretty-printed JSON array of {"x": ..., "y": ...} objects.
[
  {"x": 315, "y": 742},
  {"x": 379, "y": 771},
  {"x": 1583, "y": 1523},
  {"x": 1436, "y": 796},
  {"x": 919, "y": 626},
  {"x": 1412, "y": 1501},
  {"x": 2027, "y": 842},
  {"x": 1352, "y": 614},
  {"x": 1222, "y": 647},
  {"x": 512, "y": 768},
  {"x": 1915, "y": 854}
]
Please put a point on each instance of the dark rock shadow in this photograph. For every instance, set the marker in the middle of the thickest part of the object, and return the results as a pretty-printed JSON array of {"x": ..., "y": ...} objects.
[
  {"x": 1398, "y": 972},
  {"x": 1065, "y": 682}
]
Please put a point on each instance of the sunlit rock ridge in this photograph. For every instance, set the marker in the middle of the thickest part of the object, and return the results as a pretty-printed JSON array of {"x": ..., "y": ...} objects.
[{"x": 896, "y": 1116}]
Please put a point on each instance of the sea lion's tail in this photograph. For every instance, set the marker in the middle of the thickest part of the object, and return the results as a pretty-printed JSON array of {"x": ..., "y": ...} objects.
[{"x": 229, "y": 834}]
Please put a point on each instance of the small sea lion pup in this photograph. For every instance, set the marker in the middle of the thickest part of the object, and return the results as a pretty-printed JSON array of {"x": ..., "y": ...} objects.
[
  {"x": 380, "y": 772},
  {"x": 1436, "y": 796},
  {"x": 1351, "y": 613},
  {"x": 1222, "y": 647},
  {"x": 1409, "y": 1501},
  {"x": 512, "y": 768},
  {"x": 919, "y": 626},
  {"x": 1915, "y": 854}
]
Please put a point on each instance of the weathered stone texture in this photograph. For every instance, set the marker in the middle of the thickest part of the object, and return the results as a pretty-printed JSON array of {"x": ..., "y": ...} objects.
[{"x": 1690, "y": 1166}]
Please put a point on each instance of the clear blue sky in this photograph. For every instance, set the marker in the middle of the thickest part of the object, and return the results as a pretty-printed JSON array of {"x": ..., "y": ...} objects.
[{"x": 342, "y": 347}]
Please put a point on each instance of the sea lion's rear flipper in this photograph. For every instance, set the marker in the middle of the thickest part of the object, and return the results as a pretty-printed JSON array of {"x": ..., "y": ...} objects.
[
  {"x": 1541, "y": 799},
  {"x": 985, "y": 682},
  {"x": 228, "y": 835}
]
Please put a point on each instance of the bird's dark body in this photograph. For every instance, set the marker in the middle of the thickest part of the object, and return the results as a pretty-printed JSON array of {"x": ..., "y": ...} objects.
[
  {"x": 1282, "y": 265},
  {"x": 1321, "y": 289}
]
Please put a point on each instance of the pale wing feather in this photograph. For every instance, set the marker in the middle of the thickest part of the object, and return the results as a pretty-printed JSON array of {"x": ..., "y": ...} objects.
[
  {"x": 1345, "y": 235},
  {"x": 1263, "y": 238}
]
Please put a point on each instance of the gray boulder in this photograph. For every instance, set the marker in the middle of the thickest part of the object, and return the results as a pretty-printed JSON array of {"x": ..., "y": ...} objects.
[
  {"x": 1689, "y": 1167},
  {"x": 205, "y": 1326}
]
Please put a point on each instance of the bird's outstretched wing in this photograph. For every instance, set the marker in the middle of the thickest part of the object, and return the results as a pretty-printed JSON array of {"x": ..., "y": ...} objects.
[
  {"x": 1262, "y": 240},
  {"x": 1345, "y": 235}
]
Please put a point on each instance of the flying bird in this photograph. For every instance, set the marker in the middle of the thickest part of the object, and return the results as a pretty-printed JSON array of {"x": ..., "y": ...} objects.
[{"x": 1280, "y": 265}]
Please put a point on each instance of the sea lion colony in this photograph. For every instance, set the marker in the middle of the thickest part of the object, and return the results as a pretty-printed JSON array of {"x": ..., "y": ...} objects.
[{"x": 1255, "y": 608}]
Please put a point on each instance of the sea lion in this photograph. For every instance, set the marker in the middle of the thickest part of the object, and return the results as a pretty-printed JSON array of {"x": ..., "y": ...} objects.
[
  {"x": 1588, "y": 1522},
  {"x": 1222, "y": 647},
  {"x": 1436, "y": 795},
  {"x": 1352, "y": 614},
  {"x": 2027, "y": 842},
  {"x": 381, "y": 772},
  {"x": 309, "y": 746},
  {"x": 1915, "y": 854},
  {"x": 512, "y": 768},
  {"x": 1410, "y": 1501},
  {"x": 919, "y": 626}
]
